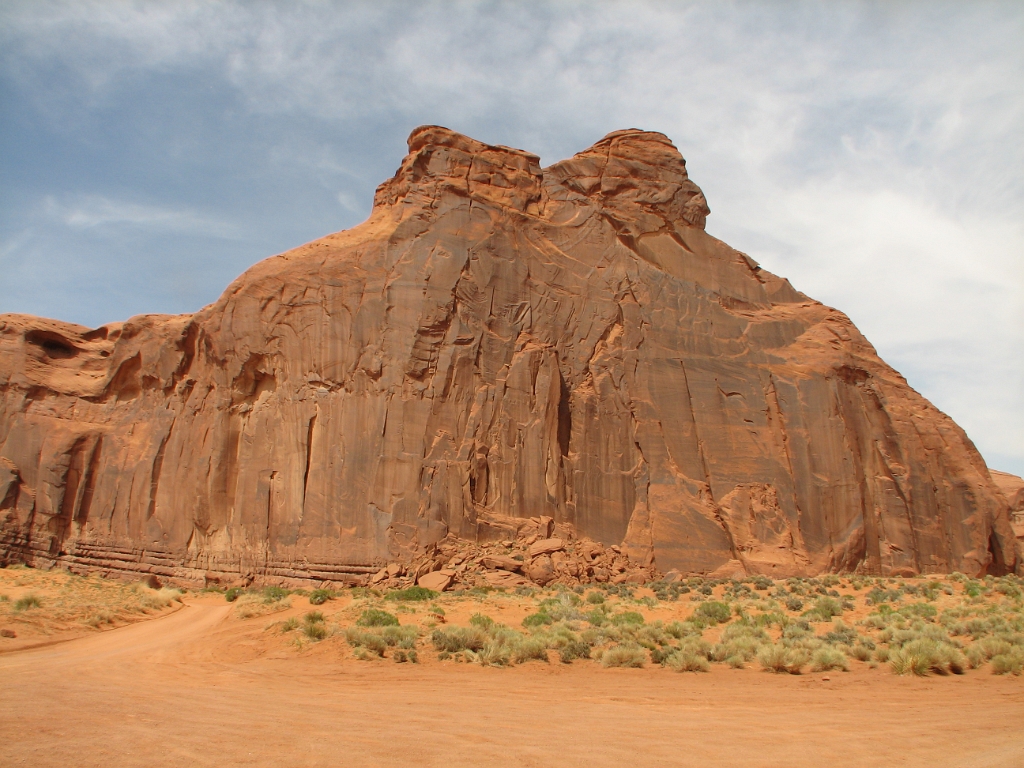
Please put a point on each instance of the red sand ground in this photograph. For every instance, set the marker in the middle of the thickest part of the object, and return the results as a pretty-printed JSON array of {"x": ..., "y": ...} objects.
[{"x": 199, "y": 687}]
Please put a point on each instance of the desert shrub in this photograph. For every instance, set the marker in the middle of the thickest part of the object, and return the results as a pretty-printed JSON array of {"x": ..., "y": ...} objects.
[
  {"x": 794, "y": 603},
  {"x": 366, "y": 641},
  {"x": 313, "y": 617},
  {"x": 27, "y": 602},
  {"x": 274, "y": 594},
  {"x": 878, "y": 595},
  {"x": 479, "y": 620},
  {"x": 924, "y": 655},
  {"x": 687, "y": 661},
  {"x": 375, "y": 617},
  {"x": 861, "y": 652},
  {"x": 628, "y": 617},
  {"x": 289, "y": 624},
  {"x": 572, "y": 650},
  {"x": 316, "y": 631},
  {"x": 698, "y": 646},
  {"x": 402, "y": 656},
  {"x": 530, "y": 649},
  {"x": 320, "y": 596},
  {"x": 681, "y": 629},
  {"x": 233, "y": 594},
  {"x": 595, "y": 598},
  {"x": 796, "y": 630},
  {"x": 992, "y": 647},
  {"x": 458, "y": 639},
  {"x": 918, "y": 610},
  {"x": 840, "y": 633},
  {"x": 538, "y": 619},
  {"x": 411, "y": 594},
  {"x": 597, "y": 617},
  {"x": 778, "y": 658},
  {"x": 713, "y": 612},
  {"x": 824, "y": 609},
  {"x": 403, "y": 637},
  {"x": 904, "y": 662},
  {"x": 824, "y": 659},
  {"x": 1008, "y": 663},
  {"x": 624, "y": 656}
]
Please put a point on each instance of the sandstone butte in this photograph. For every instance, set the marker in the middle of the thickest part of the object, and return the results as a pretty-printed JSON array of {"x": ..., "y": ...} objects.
[{"x": 497, "y": 342}]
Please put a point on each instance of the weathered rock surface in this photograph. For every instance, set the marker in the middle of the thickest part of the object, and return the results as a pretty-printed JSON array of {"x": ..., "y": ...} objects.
[
  {"x": 497, "y": 342},
  {"x": 1012, "y": 488}
]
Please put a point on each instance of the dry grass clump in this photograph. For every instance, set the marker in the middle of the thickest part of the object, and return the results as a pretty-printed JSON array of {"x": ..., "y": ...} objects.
[
  {"x": 777, "y": 658},
  {"x": 261, "y": 603},
  {"x": 624, "y": 656},
  {"x": 57, "y": 600}
]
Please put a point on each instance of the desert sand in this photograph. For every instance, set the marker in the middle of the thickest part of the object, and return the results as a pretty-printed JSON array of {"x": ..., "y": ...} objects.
[{"x": 198, "y": 686}]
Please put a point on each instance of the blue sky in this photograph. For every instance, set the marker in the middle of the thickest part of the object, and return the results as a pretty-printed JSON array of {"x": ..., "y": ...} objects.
[{"x": 871, "y": 152}]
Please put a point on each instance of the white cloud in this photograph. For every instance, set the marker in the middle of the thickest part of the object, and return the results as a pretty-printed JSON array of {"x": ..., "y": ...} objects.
[{"x": 93, "y": 211}]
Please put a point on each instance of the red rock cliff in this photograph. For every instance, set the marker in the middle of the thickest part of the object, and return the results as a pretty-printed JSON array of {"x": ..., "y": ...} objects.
[{"x": 497, "y": 341}]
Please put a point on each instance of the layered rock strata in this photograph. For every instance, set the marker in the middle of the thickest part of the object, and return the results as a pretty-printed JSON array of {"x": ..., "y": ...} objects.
[{"x": 497, "y": 342}]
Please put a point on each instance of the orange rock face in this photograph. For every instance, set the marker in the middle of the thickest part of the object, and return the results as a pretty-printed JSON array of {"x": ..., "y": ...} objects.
[
  {"x": 496, "y": 342},
  {"x": 1012, "y": 487}
]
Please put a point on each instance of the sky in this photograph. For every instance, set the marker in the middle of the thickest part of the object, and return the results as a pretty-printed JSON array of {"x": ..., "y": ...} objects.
[{"x": 871, "y": 152}]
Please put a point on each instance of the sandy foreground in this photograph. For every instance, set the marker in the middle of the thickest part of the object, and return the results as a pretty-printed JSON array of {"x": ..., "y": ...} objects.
[{"x": 198, "y": 687}]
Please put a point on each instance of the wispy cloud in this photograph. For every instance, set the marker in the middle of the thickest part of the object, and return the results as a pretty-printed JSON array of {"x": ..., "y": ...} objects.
[{"x": 93, "y": 212}]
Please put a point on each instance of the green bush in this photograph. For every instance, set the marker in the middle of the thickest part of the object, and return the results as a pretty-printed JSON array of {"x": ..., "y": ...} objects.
[
  {"x": 411, "y": 594},
  {"x": 313, "y": 617},
  {"x": 713, "y": 612},
  {"x": 539, "y": 619},
  {"x": 595, "y": 598},
  {"x": 375, "y": 617},
  {"x": 479, "y": 620},
  {"x": 233, "y": 594},
  {"x": 273, "y": 594},
  {"x": 320, "y": 596}
]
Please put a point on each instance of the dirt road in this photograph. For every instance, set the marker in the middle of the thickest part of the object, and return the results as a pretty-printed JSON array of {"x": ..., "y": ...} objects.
[{"x": 201, "y": 688}]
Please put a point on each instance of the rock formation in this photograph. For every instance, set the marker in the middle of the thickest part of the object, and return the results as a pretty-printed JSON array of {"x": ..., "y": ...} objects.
[
  {"x": 497, "y": 342},
  {"x": 1012, "y": 487}
]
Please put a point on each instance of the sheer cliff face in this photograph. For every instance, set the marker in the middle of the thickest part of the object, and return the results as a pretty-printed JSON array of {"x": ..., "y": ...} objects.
[{"x": 497, "y": 341}]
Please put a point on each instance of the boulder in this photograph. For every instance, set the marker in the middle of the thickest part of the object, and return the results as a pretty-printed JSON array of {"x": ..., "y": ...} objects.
[
  {"x": 541, "y": 570},
  {"x": 504, "y": 579},
  {"x": 546, "y": 547},
  {"x": 438, "y": 581},
  {"x": 498, "y": 562}
]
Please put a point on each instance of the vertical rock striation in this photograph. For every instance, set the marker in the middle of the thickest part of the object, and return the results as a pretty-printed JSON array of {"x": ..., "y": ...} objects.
[{"x": 496, "y": 342}]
